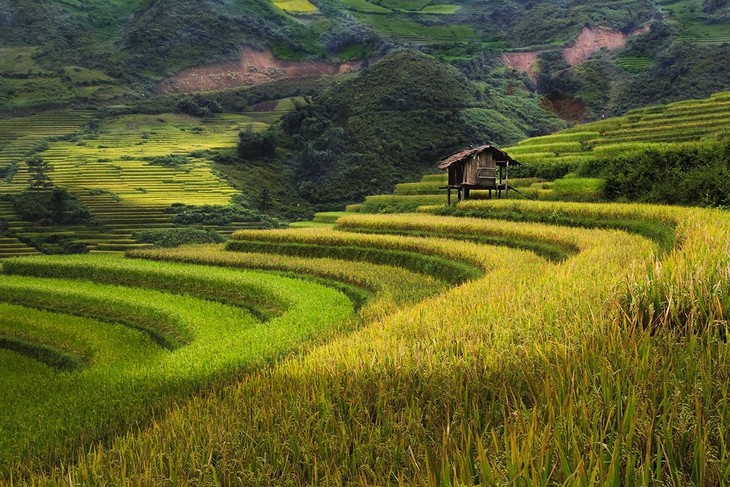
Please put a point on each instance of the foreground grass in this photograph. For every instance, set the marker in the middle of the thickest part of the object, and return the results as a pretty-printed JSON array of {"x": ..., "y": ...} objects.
[
  {"x": 609, "y": 367},
  {"x": 390, "y": 288},
  {"x": 170, "y": 343}
]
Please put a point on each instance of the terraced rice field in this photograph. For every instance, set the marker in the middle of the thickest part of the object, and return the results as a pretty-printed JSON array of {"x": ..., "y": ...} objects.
[
  {"x": 492, "y": 343},
  {"x": 296, "y": 6},
  {"x": 686, "y": 17},
  {"x": 683, "y": 123},
  {"x": 687, "y": 122},
  {"x": 113, "y": 169},
  {"x": 635, "y": 63}
]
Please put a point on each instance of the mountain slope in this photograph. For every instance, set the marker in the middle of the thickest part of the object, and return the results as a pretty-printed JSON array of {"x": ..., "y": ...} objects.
[{"x": 123, "y": 49}]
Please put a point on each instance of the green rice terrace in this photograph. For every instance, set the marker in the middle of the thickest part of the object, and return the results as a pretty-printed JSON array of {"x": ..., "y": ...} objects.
[
  {"x": 126, "y": 170},
  {"x": 684, "y": 125},
  {"x": 702, "y": 121},
  {"x": 568, "y": 341}
]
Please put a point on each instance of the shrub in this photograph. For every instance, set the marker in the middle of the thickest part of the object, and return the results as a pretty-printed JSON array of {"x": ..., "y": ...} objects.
[
  {"x": 169, "y": 161},
  {"x": 687, "y": 176},
  {"x": 219, "y": 215},
  {"x": 254, "y": 145},
  {"x": 174, "y": 237},
  {"x": 56, "y": 206},
  {"x": 198, "y": 106}
]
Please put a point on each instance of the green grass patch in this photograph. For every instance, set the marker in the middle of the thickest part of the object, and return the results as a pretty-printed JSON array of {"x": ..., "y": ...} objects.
[
  {"x": 440, "y": 9},
  {"x": 405, "y": 28},
  {"x": 413, "y": 5},
  {"x": 296, "y": 6},
  {"x": 365, "y": 7},
  {"x": 60, "y": 412}
]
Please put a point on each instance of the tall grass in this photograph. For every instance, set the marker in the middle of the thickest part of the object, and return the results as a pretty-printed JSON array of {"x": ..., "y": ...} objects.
[
  {"x": 46, "y": 415},
  {"x": 609, "y": 367},
  {"x": 391, "y": 287},
  {"x": 432, "y": 257},
  {"x": 414, "y": 397}
]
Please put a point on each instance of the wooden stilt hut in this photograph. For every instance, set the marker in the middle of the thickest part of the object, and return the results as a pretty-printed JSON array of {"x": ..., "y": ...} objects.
[{"x": 485, "y": 167}]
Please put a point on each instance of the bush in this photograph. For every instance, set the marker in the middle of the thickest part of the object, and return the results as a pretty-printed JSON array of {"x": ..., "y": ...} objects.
[
  {"x": 198, "y": 106},
  {"x": 549, "y": 171},
  {"x": 219, "y": 215},
  {"x": 253, "y": 146},
  {"x": 169, "y": 161},
  {"x": 687, "y": 176},
  {"x": 57, "y": 207},
  {"x": 174, "y": 237}
]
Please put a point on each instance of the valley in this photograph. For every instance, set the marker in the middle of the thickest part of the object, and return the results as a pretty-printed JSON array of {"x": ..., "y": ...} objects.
[{"x": 227, "y": 256}]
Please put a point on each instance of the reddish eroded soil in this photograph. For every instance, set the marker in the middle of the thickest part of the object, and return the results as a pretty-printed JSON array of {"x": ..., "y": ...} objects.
[
  {"x": 522, "y": 61},
  {"x": 588, "y": 42},
  {"x": 254, "y": 68}
]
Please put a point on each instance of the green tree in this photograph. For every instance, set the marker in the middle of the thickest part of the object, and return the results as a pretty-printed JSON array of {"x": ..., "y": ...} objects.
[
  {"x": 264, "y": 200},
  {"x": 253, "y": 145},
  {"x": 39, "y": 169}
]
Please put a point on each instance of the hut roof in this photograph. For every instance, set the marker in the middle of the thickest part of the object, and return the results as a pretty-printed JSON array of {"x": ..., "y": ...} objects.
[{"x": 501, "y": 156}]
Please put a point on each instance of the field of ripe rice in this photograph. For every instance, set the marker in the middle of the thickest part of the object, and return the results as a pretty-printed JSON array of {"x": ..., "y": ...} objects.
[{"x": 476, "y": 357}]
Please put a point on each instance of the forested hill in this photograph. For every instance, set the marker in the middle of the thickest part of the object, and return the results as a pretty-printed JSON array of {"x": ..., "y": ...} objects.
[
  {"x": 587, "y": 58},
  {"x": 393, "y": 121}
]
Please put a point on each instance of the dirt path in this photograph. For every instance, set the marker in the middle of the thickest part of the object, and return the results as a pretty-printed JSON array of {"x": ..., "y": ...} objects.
[{"x": 253, "y": 68}]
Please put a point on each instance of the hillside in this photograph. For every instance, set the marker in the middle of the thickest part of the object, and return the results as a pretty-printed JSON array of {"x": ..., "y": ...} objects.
[
  {"x": 396, "y": 118},
  {"x": 129, "y": 174},
  {"x": 674, "y": 154},
  {"x": 132, "y": 172},
  {"x": 692, "y": 121},
  {"x": 586, "y": 58}
]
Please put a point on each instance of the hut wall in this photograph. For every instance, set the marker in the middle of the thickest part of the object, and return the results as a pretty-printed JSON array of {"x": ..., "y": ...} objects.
[
  {"x": 487, "y": 170},
  {"x": 470, "y": 171},
  {"x": 456, "y": 174},
  {"x": 481, "y": 171}
]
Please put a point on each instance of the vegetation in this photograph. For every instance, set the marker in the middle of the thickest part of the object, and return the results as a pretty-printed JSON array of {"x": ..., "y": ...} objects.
[
  {"x": 174, "y": 237},
  {"x": 220, "y": 215},
  {"x": 49, "y": 207},
  {"x": 347, "y": 145},
  {"x": 479, "y": 383},
  {"x": 588, "y": 148},
  {"x": 135, "y": 361},
  {"x": 118, "y": 177},
  {"x": 699, "y": 175}
]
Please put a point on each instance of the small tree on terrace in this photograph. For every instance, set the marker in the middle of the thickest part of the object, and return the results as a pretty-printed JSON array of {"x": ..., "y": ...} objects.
[{"x": 39, "y": 178}]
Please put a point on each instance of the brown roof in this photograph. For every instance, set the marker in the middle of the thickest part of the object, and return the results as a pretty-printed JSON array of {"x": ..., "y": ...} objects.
[{"x": 502, "y": 156}]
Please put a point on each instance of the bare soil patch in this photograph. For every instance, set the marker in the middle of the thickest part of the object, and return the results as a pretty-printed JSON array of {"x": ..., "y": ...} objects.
[
  {"x": 253, "y": 68},
  {"x": 522, "y": 61},
  {"x": 588, "y": 42}
]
